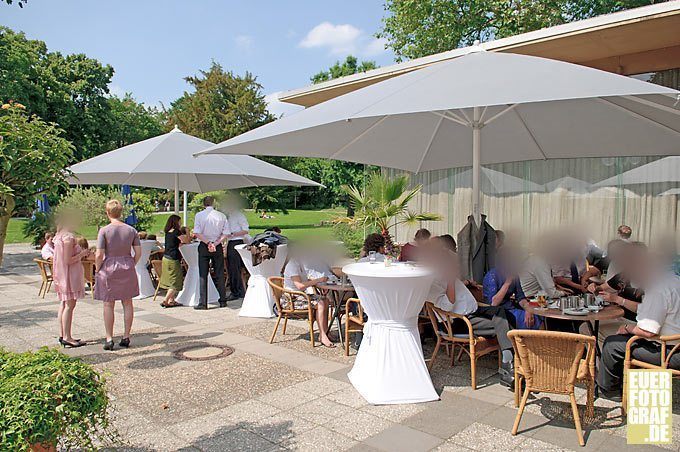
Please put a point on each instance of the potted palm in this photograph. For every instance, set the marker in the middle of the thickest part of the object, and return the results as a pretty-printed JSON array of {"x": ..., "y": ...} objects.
[
  {"x": 383, "y": 205},
  {"x": 49, "y": 399}
]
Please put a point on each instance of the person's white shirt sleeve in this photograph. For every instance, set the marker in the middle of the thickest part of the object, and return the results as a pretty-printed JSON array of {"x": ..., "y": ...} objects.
[
  {"x": 659, "y": 311},
  {"x": 199, "y": 223}
]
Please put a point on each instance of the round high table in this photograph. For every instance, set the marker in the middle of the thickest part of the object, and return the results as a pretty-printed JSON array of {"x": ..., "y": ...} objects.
[
  {"x": 190, "y": 294},
  {"x": 146, "y": 288},
  {"x": 259, "y": 299},
  {"x": 389, "y": 367}
]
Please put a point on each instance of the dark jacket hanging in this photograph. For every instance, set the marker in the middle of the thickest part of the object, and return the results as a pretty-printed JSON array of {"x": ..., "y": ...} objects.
[{"x": 476, "y": 249}]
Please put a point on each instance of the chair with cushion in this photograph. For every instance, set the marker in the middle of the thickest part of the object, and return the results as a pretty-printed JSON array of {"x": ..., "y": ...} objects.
[
  {"x": 552, "y": 362},
  {"x": 157, "y": 266},
  {"x": 45, "y": 268},
  {"x": 474, "y": 343},
  {"x": 354, "y": 320},
  {"x": 284, "y": 299},
  {"x": 631, "y": 363}
]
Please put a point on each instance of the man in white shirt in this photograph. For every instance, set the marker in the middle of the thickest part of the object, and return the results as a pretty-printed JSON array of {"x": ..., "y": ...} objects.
[
  {"x": 238, "y": 225},
  {"x": 657, "y": 315},
  {"x": 211, "y": 228},
  {"x": 47, "y": 251}
]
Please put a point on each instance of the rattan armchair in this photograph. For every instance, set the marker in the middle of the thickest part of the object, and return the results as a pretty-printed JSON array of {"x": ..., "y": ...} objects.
[
  {"x": 474, "y": 343},
  {"x": 284, "y": 299},
  {"x": 45, "y": 268},
  {"x": 157, "y": 266},
  {"x": 354, "y": 321},
  {"x": 552, "y": 362},
  {"x": 629, "y": 362}
]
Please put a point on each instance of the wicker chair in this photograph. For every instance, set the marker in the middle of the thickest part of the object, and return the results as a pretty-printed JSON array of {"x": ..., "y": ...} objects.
[
  {"x": 354, "y": 323},
  {"x": 45, "y": 268},
  {"x": 286, "y": 308},
  {"x": 474, "y": 343},
  {"x": 550, "y": 361},
  {"x": 157, "y": 266},
  {"x": 88, "y": 274},
  {"x": 630, "y": 363}
]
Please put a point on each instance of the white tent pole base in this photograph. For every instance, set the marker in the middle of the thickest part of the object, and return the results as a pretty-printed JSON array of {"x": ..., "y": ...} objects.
[{"x": 184, "y": 215}]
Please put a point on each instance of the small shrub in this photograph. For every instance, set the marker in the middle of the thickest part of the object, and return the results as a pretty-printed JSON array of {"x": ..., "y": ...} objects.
[
  {"x": 90, "y": 203},
  {"x": 49, "y": 398},
  {"x": 37, "y": 226},
  {"x": 352, "y": 236}
]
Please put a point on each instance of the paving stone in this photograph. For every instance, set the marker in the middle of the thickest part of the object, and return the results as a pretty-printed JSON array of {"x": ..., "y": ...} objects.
[
  {"x": 236, "y": 440},
  {"x": 482, "y": 437},
  {"x": 320, "y": 439},
  {"x": 400, "y": 438}
]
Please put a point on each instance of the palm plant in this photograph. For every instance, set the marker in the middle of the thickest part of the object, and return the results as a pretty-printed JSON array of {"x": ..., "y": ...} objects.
[{"x": 383, "y": 205}]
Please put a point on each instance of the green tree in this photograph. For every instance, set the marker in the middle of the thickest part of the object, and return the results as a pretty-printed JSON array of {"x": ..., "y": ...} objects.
[
  {"x": 68, "y": 90},
  {"x": 417, "y": 28},
  {"x": 341, "y": 69},
  {"x": 383, "y": 205},
  {"x": 33, "y": 154},
  {"x": 221, "y": 106},
  {"x": 131, "y": 122}
]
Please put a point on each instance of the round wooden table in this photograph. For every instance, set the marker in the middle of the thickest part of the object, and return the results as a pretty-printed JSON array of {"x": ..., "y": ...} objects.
[{"x": 336, "y": 294}]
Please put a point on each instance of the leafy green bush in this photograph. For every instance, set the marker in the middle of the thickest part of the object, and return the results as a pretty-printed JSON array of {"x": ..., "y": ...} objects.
[
  {"x": 37, "y": 226},
  {"x": 144, "y": 210},
  {"x": 90, "y": 204},
  {"x": 49, "y": 398},
  {"x": 352, "y": 236}
]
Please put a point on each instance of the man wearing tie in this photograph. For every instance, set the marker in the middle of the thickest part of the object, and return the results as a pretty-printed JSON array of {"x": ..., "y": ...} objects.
[
  {"x": 211, "y": 228},
  {"x": 238, "y": 225}
]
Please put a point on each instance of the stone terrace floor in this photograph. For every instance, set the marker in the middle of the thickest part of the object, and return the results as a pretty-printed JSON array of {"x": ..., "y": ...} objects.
[{"x": 282, "y": 396}]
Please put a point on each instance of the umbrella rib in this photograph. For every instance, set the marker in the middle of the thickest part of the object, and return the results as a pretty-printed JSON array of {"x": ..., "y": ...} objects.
[
  {"x": 653, "y": 104},
  {"x": 462, "y": 111},
  {"x": 499, "y": 114},
  {"x": 429, "y": 143},
  {"x": 358, "y": 137},
  {"x": 636, "y": 114},
  {"x": 445, "y": 116},
  {"x": 531, "y": 134}
]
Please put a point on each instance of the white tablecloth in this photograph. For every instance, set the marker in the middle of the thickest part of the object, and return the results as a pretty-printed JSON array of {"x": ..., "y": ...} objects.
[
  {"x": 146, "y": 288},
  {"x": 390, "y": 367},
  {"x": 190, "y": 294},
  {"x": 259, "y": 299}
]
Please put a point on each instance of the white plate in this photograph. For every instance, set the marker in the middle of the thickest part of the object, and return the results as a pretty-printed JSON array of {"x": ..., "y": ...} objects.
[{"x": 576, "y": 311}]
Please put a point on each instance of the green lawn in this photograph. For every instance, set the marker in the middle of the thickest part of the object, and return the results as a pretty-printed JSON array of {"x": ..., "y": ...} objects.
[{"x": 296, "y": 225}]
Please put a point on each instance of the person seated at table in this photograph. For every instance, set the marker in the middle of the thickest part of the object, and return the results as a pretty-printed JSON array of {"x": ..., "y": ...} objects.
[
  {"x": 295, "y": 278},
  {"x": 172, "y": 277},
  {"x": 535, "y": 274},
  {"x": 624, "y": 232},
  {"x": 502, "y": 288},
  {"x": 450, "y": 294},
  {"x": 409, "y": 252},
  {"x": 657, "y": 315},
  {"x": 47, "y": 250},
  {"x": 84, "y": 245},
  {"x": 373, "y": 243}
]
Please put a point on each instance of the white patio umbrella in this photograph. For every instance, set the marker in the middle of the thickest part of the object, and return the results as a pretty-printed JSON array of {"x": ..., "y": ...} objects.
[
  {"x": 496, "y": 182},
  {"x": 481, "y": 108},
  {"x": 569, "y": 183},
  {"x": 167, "y": 161},
  {"x": 666, "y": 169}
]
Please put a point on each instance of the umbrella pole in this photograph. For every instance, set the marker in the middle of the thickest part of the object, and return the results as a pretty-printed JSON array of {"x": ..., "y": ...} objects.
[
  {"x": 184, "y": 214},
  {"x": 176, "y": 194},
  {"x": 476, "y": 166}
]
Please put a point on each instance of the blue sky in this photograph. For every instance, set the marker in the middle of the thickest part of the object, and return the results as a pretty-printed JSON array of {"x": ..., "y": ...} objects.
[{"x": 153, "y": 44}]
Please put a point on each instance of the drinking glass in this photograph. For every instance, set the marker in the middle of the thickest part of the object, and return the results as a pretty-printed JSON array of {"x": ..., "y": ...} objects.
[{"x": 371, "y": 257}]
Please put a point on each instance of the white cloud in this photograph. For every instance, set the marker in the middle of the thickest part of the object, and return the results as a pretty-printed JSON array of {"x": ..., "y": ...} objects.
[
  {"x": 342, "y": 39},
  {"x": 278, "y": 108},
  {"x": 244, "y": 43}
]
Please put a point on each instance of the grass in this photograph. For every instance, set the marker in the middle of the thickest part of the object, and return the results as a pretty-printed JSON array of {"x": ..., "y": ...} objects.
[{"x": 296, "y": 225}]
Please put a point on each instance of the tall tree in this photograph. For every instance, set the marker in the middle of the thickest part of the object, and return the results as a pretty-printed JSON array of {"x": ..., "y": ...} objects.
[
  {"x": 131, "y": 121},
  {"x": 33, "y": 154},
  {"x": 348, "y": 67},
  {"x": 221, "y": 106},
  {"x": 69, "y": 90},
  {"x": 416, "y": 28}
]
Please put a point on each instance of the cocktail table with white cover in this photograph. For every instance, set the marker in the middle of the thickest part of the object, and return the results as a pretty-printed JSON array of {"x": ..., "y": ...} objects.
[
  {"x": 190, "y": 294},
  {"x": 389, "y": 367},
  {"x": 259, "y": 299},
  {"x": 146, "y": 288}
]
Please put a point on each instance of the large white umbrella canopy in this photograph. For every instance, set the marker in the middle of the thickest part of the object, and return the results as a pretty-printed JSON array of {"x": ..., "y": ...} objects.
[
  {"x": 481, "y": 108},
  {"x": 496, "y": 182},
  {"x": 666, "y": 169},
  {"x": 167, "y": 161}
]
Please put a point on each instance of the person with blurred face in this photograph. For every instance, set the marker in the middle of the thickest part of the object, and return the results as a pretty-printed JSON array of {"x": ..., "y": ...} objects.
[
  {"x": 211, "y": 228},
  {"x": 47, "y": 250},
  {"x": 624, "y": 232},
  {"x": 657, "y": 315},
  {"x": 535, "y": 274},
  {"x": 239, "y": 227},
  {"x": 374, "y": 242},
  {"x": 116, "y": 276},
  {"x": 172, "y": 278},
  {"x": 68, "y": 273},
  {"x": 409, "y": 252}
]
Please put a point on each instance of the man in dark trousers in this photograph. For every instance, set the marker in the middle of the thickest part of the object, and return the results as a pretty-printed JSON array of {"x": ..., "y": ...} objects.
[
  {"x": 238, "y": 225},
  {"x": 211, "y": 228}
]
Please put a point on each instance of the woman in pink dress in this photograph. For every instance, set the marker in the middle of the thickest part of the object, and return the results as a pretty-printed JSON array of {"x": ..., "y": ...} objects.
[
  {"x": 116, "y": 277},
  {"x": 69, "y": 282}
]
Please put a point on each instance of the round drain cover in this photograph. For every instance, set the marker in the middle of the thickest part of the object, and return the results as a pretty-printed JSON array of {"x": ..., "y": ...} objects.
[{"x": 203, "y": 352}]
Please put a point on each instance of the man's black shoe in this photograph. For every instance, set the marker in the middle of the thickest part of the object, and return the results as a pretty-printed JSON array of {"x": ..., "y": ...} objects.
[
  {"x": 223, "y": 304},
  {"x": 201, "y": 307},
  {"x": 232, "y": 297},
  {"x": 507, "y": 373}
]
